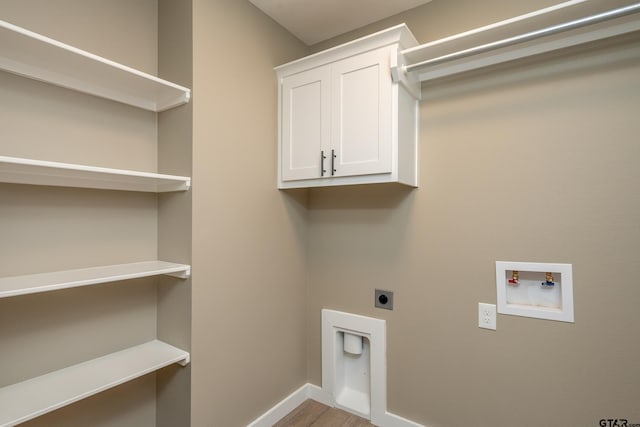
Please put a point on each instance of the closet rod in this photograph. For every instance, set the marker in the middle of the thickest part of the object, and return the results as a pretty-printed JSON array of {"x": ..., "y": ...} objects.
[{"x": 510, "y": 41}]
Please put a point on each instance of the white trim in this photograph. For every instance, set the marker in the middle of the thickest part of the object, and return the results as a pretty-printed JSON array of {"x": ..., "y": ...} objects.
[
  {"x": 319, "y": 395},
  {"x": 392, "y": 420},
  {"x": 282, "y": 408},
  {"x": 397, "y": 35},
  {"x": 375, "y": 331},
  {"x": 313, "y": 392}
]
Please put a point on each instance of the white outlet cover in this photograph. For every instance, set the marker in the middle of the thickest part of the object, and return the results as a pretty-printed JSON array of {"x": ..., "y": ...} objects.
[{"x": 487, "y": 316}]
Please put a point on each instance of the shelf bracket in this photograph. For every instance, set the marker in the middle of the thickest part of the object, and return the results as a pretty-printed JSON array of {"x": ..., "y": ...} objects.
[
  {"x": 185, "y": 274},
  {"x": 185, "y": 361},
  {"x": 410, "y": 81}
]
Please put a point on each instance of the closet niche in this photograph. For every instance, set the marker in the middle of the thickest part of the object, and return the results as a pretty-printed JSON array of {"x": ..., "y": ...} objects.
[{"x": 83, "y": 294}]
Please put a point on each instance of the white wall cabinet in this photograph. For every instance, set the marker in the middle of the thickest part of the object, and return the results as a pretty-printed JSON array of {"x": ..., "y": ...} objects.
[{"x": 343, "y": 120}]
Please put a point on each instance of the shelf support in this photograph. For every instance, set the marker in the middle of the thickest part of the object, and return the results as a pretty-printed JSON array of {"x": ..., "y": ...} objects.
[{"x": 181, "y": 274}]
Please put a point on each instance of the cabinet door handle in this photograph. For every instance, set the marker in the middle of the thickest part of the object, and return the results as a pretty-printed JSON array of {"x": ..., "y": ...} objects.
[
  {"x": 333, "y": 158},
  {"x": 322, "y": 157}
]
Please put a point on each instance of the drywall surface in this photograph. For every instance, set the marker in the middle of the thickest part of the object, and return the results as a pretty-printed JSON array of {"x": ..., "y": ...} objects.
[
  {"x": 248, "y": 333},
  {"x": 529, "y": 162},
  {"x": 48, "y": 228},
  {"x": 60, "y": 125},
  {"x": 175, "y": 63}
]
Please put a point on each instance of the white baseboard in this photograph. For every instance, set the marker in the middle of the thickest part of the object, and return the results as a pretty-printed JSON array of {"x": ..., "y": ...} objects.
[
  {"x": 319, "y": 395},
  {"x": 392, "y": 420},
  {"x": 278, "y": 412},
  {"x": 310, "y": 391}
]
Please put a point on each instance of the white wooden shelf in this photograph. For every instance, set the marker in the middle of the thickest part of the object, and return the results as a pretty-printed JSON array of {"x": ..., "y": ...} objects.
[
  {"x": 45, "y": 282},
  {"x": 567, "y": 24},
  {"x": 41, "y": 58},
  {"x": 39, "y": 172},
  {"x": 37, "y": 396}
]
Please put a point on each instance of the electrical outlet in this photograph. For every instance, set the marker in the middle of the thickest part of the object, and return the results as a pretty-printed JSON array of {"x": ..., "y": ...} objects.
[
  {"x": 487, "y": 316},
  {"x": 384, "y": 299}
]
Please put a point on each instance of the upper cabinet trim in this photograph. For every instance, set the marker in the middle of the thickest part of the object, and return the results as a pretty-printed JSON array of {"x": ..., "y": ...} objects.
[{"x": 399, "y": 35}]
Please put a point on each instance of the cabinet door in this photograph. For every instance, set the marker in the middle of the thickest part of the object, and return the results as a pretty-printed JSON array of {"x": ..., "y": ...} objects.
[
  {"x": 306, "y": 115},
  {"x": 361, "y": 102}
]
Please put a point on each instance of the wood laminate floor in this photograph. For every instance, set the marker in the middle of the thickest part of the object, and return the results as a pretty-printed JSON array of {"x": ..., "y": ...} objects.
[{"x": 312, "y": 413}]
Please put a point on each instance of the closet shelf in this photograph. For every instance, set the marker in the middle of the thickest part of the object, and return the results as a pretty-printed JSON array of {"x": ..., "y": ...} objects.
[
  {"x": 37, "y": 396},
  {"x": 560, "y": 26},
  {"x": 38, "y": 57},
  {"x": 39, "y": 172},
  {"x": 45, "y": 282}
]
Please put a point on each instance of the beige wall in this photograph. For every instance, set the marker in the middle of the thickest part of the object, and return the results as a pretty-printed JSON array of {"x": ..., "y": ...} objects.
[
  {"x": 249, "y": 238},
  {"x": 175, "y": 63},
  {"x": 530, "y": 162}
]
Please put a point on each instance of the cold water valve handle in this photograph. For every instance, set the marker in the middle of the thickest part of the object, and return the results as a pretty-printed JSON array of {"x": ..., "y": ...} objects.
[{"x": 548, "y": 283}]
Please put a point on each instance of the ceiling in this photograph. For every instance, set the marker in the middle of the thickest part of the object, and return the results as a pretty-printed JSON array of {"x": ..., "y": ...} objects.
[{"x": 313, "y": 21}]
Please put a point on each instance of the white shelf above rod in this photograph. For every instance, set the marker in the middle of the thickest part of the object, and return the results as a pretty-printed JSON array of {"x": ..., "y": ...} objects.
[
  {"x": 39, "y": 172},
  {"x": 37, "y": 396},
  {"x": 519, "y": 37},
  {"x": 45, "y": 282},
  {"x": 38, "y": 57}
]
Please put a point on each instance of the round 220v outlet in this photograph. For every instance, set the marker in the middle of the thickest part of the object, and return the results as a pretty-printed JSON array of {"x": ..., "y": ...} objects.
[{"x": 383, "y": 299}]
